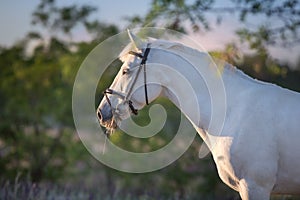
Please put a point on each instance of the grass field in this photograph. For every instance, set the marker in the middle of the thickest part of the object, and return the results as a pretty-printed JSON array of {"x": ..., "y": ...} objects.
[
  {"x": 47, "y": 191},
  {"x": 27, "y": 190}
]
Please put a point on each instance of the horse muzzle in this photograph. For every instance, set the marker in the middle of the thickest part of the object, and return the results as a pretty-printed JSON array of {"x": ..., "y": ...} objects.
[{"x": 105, "y": 115}]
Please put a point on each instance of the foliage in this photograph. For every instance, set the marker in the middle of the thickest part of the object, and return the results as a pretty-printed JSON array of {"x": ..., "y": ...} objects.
[
  {"x": 280, "y": 19},
  {"x": 36, "y": 118},
  {"x": 36, "y": 113},
  {"x": 282, "y": 26},
  {"x": 37, "y": 135},
  {"x": 64, "y": 19},
  {"x": 261, "y": 66}
]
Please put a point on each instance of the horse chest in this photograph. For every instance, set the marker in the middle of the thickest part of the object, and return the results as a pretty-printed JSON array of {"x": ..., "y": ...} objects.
[{"x": 226, "y": 166}]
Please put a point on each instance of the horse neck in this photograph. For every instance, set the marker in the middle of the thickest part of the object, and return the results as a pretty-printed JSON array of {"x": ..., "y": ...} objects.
[
  {"x": 184, "y": 86},
  {"x": 195, "y": 102}
]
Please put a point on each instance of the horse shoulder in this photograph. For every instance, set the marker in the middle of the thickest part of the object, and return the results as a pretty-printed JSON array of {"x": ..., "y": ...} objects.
[{"x": 251, "y": 148}]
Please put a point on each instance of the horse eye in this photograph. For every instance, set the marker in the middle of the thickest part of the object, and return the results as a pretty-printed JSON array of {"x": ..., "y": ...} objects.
[{"x": 125, "y": 71}]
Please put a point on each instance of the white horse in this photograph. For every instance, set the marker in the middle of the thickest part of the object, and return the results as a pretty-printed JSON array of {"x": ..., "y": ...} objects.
[{"x": 257, "y": 153}]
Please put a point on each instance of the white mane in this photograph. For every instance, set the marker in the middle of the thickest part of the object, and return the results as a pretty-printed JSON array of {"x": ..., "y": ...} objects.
[
  {"x": 223, "y": 66},
  {"x": 178, "y": 48}
]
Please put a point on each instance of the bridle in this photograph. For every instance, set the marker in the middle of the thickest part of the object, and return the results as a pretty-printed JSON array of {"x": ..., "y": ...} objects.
[{"x": 126, "y": 97}]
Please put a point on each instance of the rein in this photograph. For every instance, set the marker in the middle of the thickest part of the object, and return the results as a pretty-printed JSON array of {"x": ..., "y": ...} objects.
[{"x": 125, "y": 97}]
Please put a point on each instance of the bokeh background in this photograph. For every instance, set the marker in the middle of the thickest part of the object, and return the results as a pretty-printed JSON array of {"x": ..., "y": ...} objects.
[{"x": 43, "y": 43}]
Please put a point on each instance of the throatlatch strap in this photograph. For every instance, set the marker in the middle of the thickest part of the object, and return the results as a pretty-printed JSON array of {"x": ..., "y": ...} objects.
[{"x": 143, "y": 64}]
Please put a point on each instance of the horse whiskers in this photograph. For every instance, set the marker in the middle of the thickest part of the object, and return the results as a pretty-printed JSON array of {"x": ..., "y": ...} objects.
[
  {"x": 113, "y": 123},
  {"x": 111, "y": 126},
  {"x": 104, "y": 146},
  {"x": 109, "y": 131}
]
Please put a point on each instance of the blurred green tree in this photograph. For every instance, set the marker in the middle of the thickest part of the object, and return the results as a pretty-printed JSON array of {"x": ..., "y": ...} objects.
[
  {"x": 57, "y": 19},
  {"x": 279, "y": 21},
  {"x": 36, "y": 123},
  {"x": 35, "y": 113}
]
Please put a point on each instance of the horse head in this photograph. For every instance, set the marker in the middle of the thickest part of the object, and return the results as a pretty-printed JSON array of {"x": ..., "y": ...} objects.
[{"x": 130, "y": 90}]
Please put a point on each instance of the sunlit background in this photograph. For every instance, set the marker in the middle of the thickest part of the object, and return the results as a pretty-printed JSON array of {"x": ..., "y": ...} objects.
[
  {"x": 43, "y": 43},
  {"x": 16, "y": 22}
]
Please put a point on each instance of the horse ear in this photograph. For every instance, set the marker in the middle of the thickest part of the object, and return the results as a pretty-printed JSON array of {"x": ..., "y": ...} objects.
[{"x": 136, "y": 42}]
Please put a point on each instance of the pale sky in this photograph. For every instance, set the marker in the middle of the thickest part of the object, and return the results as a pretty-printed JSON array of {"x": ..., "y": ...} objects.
[{"x": 16, "y": 16}]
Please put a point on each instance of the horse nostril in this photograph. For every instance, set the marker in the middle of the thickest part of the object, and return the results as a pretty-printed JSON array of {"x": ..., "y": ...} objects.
[
  {"x": 104, "y": 114},
  {"x": 99, "y": 114}
]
